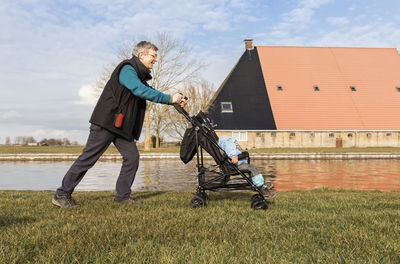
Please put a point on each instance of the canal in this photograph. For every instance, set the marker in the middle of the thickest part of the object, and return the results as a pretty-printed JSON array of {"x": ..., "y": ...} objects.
[{"x": 173, "y": 175}]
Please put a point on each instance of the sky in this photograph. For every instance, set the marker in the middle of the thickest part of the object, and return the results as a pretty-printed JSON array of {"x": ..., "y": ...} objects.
[{"x": 53, "y": 51}]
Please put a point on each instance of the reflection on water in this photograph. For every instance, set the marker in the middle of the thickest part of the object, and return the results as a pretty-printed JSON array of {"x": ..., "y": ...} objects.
[
  {"x": 369, "y": 174},
  {"x": 163, "y": 174}
]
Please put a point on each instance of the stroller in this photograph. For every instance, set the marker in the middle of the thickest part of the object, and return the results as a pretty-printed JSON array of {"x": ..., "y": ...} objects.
[{"x": 223, "y": 175}]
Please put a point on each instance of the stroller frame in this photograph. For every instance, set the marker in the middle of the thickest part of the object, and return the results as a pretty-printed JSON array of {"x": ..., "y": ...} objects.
[{"x": 226, "y": 167}]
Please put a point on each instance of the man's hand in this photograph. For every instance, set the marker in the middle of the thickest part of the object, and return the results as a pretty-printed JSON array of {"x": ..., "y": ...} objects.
[
  {"x": 235, "y": 160},
  {"x": 184, "y": 102},
  {"x": 178, "y": 98}
]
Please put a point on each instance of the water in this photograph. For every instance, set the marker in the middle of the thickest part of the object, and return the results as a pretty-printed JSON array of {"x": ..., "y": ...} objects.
[{"x": 166, "y": 175}]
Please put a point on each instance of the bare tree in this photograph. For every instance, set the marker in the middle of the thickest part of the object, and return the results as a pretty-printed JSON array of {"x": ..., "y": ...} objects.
[
  {"x": 8, "y": 140},
  {"x": 200, "y": 95},
  {"x": 18, "y": 140},
  {"x": 174, "y": 69},
  {"x": 66, "y": 142},
  {"x": 159, "y": 120},
  {"x": 27, "y": 140},
  {"x": 124, "y": 53}
]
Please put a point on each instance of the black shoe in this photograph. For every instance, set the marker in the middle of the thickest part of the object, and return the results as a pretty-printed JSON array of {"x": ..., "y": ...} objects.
[
  {"x": 127, "y": 201},
  {"x": 64, "y": 201},
  {"x": 267, "y": 192},
  {"x": 269, "y": 185}
]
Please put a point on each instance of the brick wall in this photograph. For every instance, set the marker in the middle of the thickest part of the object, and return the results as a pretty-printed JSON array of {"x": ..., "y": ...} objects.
[{"x": 309, "y": 139}]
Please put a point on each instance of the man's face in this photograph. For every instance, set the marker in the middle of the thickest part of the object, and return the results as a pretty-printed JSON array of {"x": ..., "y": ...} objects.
[{"x": 148, "y": 58}]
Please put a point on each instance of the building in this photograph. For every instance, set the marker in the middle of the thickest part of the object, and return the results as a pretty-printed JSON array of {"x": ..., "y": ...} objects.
[{"x": 311, "y": 97}]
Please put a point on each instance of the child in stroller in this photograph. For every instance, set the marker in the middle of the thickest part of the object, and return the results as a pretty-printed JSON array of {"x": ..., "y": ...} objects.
[{"x": 239, "y": 158}]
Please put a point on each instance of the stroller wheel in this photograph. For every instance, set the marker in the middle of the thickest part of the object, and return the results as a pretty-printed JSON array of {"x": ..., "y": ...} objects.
[
  {"x": 259, "y": 204},
  {"x": 198, "y": 201},
  {"x": 204, "y": 195},
  {"x": 255, "y": 197}
]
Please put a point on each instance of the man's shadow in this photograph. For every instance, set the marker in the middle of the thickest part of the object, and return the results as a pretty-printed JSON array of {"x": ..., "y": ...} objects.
[
  {"x": 146, "y": 195},
  {"x": 135, "y": 195},
  {"x": 6, "y": 220}
]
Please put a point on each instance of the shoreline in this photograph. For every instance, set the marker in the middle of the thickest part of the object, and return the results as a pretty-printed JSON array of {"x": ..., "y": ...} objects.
[{"x": 268, "y": 156}]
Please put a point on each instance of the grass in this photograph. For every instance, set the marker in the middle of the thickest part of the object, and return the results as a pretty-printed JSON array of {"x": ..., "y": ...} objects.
[
  {"x": 113, "y": 150},
  {"x": 71, "y": 150},
  {"x": 319, "y": 226}
]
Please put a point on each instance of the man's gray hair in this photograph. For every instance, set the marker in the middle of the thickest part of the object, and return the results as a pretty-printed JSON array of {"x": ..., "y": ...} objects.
[{"x": 143, "y": 46}]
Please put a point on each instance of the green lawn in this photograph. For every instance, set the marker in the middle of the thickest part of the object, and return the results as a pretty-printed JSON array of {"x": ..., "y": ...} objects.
[
  {"x": 70, "y": 150},
  {"x": 319, "y": 226},
  {"x": 113, "y": 150}
]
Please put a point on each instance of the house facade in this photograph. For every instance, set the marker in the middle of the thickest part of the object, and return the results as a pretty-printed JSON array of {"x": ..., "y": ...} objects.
[{"x": 311, "y": 97}]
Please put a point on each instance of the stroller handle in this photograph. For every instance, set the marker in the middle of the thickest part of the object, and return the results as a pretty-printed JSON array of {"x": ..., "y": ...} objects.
[{"x": 182, "y": 111}]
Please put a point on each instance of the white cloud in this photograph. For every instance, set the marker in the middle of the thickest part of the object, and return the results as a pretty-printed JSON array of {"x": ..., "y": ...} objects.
[
  {"x": 217, "y": 21},
  {"x": 9, "y": 115},
  {"x": 39, "y": 133},
  {"x": 366, "y": 35},
  {"x": 300, "y": 17},
  {"x": 238, "y": 3},
  {"x": 314, "y": 3},
  {"x": 362, "y": 27},
  {"x": 337, "y": 21},
  {"x": 87, "y": 95},
  {"x": 58, "y": 133}
]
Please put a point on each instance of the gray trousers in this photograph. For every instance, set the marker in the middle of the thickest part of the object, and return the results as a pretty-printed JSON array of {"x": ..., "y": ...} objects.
[
  {"x": 98, "y": 142},
  {"x": 250, "y": 167},
  {"x": 256, "y": 177}
]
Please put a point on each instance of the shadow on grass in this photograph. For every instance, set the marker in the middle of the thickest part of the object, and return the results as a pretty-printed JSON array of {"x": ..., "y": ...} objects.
[
  {"x": 96, "y": 196},
  {"x": 6, "y": 220},
  {"x": 99, "y": 197},
  {"x": 141, "y": 196},
  {"x": 235, "y": 196}
]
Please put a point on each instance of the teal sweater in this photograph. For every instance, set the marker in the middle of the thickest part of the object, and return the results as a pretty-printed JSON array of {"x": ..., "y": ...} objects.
[{"x": 129, "y": 78}]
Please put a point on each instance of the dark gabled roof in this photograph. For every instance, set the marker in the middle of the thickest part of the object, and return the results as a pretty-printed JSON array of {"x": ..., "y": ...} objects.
[{"x": 245, "y": 89}]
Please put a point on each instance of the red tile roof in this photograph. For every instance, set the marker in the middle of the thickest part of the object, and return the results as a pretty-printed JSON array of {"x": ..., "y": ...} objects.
[{"x": 374, "y": 72}]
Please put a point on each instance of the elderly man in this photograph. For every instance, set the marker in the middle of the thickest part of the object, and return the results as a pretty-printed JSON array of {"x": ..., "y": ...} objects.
[{"x": 118, "y": 118}]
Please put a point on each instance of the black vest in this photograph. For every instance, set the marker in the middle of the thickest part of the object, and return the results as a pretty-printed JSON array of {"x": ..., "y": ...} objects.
[{"x": 116, "y": 99}]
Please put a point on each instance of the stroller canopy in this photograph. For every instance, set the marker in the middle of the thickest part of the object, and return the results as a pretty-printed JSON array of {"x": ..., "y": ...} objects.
[{"x": 206, "y": 138}]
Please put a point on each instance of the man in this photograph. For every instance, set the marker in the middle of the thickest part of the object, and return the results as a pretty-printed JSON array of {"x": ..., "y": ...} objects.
[{"x": 118, "y": 118}]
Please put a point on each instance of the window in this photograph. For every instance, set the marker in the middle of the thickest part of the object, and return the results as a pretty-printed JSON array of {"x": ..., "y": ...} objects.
[
  {"x": 369, "y": 135},
  {"x": 226, "y": 107},
  {"x": 388, "y": 134},
  {"x": 239, "y": 135},
  {"x": 273, "y": 134},
  {"x": 292, "y": 134},
  {"x": 279, "y": 88},
  {"x": 353, "y": 88},
  {"x": 350, "y": 135},
  {"x": 258, "y": 134},
  {"x": 312, "y": 134},
  {"x": 398, "y": 88},
  {"x": 316, "y": 88},
  {"x": 331, "y": 135}
]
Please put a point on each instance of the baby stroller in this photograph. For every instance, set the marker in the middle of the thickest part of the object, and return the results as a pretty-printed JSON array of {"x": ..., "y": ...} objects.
[{"x": 223, "y": 175}]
